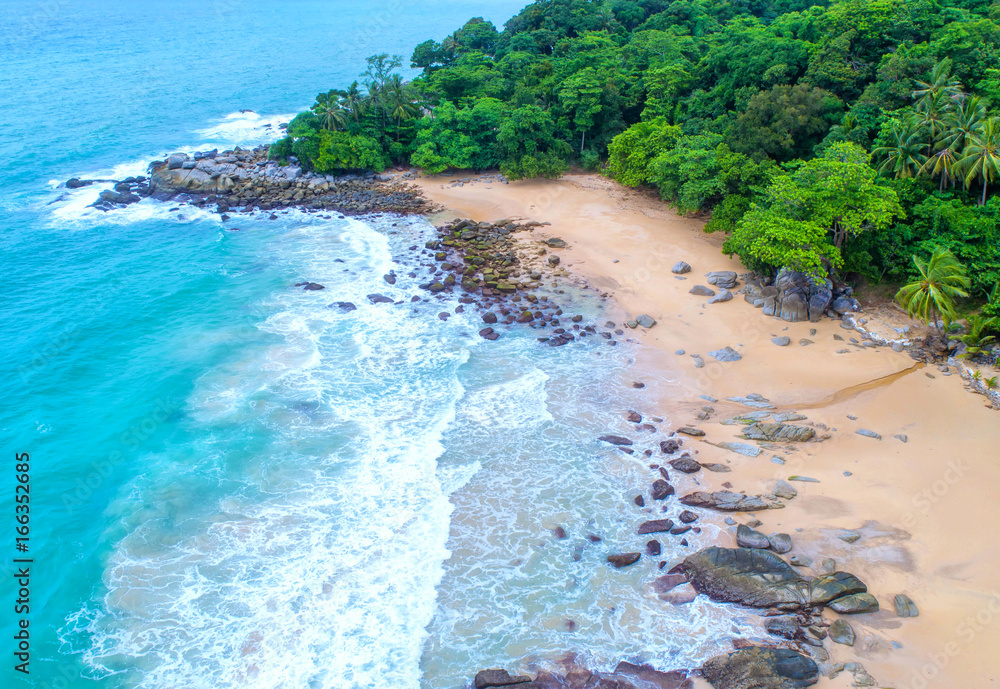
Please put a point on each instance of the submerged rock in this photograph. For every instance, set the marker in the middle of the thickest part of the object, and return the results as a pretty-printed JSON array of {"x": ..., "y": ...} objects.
[
  {"x": 615, "y": 440},
  {"x": 620, "y": 560},
  {"x": 761, "y": 668},
  {"x": 497, "y": 678},
  {"x": 655, "y": 526}
]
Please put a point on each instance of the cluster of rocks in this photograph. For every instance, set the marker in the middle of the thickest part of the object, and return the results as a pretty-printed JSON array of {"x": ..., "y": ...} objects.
[
  {"x": 482, "y": 179},
  {"x": 484, "y": 261},
  {"x": 245, "y": 180},
  {"x": 793, "y": 296},
  {"x": 751, "y": 667}
]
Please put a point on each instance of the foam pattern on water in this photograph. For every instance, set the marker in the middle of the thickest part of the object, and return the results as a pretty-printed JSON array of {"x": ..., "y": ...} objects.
[{"x": 368, "y": 497}]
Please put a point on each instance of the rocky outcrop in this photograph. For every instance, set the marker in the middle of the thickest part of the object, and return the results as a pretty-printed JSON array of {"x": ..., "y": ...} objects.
[
  {"x": 245, "y": 179},
  {"x": 794, "y": 296},
  {"x": 778, "y": 433},
  {"x": 751, "y": 577},
  {"x": 725, "y": 500},
  {"x": 761, "y": 668}
]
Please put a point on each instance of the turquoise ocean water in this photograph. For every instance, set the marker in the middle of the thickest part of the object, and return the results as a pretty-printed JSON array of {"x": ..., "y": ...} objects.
[{"x": 233, "y": 484}]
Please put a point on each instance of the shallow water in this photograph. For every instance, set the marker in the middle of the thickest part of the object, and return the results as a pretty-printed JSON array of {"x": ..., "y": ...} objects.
[{"x": 235, "y": 484}]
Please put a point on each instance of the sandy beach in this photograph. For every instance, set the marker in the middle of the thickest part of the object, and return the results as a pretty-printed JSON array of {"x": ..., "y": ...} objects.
[{"x": 924, "y": 508}]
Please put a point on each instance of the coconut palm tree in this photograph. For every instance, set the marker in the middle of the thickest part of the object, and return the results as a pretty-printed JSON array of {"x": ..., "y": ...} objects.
[
  {"x": 981, "y": 157},
  {"x": 943, "y": 163},
  {"x": 964, "y": 121},
  {"x": 942, "y": 279},
  {"x": 399, "y": 100},
  {"x": 933, "y": 113},
  {"x": 354, "y": 101},
  {"x": 941, "y": 82},
  {"x": 330, "y": 111},
  {"x": 904, "y": 154}
]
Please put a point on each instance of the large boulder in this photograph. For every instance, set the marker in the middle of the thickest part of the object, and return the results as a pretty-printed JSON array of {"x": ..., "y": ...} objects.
[
  {"x": 778, "y": 432},
  {"x": 827, "y": 587},
  {"x": 748, "y": 576},
  {"x": 854, "y": 604},
  {"x": 725, "y": 500},
  {"x": 761, "y": 668},
  {"x": 497, "y": 678},
  {"x": 725, "y": 279}
]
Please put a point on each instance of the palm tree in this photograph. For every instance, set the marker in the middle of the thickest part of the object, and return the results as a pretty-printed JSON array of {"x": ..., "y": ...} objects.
[
  {"x": 353, "y": 101},
  {"x": 964, "y": 121},
  {"x": 933, "y": 112},
  {"x": 903, "y": 153},
  {"x": 329, "y": 109},
  {"x": 942, "y": 279},
  {"x": 399, "y": 100},
  {"x": 943, "y": 163},
  {"x": 941, "y": 83},
  {"x": 976, "y": 340},
  {"x": 981, "y": 157}
]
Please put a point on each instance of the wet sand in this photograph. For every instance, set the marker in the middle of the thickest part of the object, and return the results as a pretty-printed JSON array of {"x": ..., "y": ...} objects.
[{"x": 925, "y": 508}]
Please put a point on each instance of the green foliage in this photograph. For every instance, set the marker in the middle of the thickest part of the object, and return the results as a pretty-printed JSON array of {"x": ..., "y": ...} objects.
[
  {"x": 830, "y": 200},
  {"x": 463, "y": 138},
  {"x": 530, "y": 149},
  {"x": 630, "y": 153},
  {"x": 342, "y": 151},
  {"x": 785, "y": 122},
  {"x": 977, "y": 336},
  {"x": 941, "y": 279}
]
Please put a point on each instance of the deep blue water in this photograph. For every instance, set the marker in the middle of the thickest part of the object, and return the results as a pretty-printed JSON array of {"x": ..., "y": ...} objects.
[{"x": 232, "y": 484}]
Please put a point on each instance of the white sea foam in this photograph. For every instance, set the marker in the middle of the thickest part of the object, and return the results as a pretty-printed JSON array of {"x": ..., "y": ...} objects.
[
  {"x": 321, "y": 572},
  {"x": 245, "y": 129}
]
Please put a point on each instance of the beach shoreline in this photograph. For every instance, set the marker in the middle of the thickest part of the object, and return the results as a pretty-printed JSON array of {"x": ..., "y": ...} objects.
[{"x": 917, "y": 495}]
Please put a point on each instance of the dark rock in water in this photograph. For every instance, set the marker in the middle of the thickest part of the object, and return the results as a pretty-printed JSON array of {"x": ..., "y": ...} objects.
[
  {"x": 701, "y": 291},
  {"x": 379, "y": 299},
  {"x": 751, "y": 577},
  {"x": 693, "y": 432},
  {"x": 489, "y": 317},
  {"x": 827, "y": 587},
  {"x": 842, "y": 632},
  {"x": 615, "y": 440},
  {"x": 661, "y": 489},
  {"x": 497, "y": 678},
  {"x": 634, "y": 417},
  {"x": 750, "y": 538},
  {"x": 312, "y": 286},
  {"x": 687, "y": 516},
  {"x": 761, "y": 668},
  {"x": 680, "y": 529},
  {"x": 854, "y": 604},
  {"x": 389, "y": 278},
  {"x": 344, "y": 306},
  {"x": 653, "y": 548},
  {"x": 680, "y": 268},
  {"x": 669, "y": 447},
  {"x": 778, "y": 432},
  {"x": 623, "y": 559},
  {"x": 685, "y": 464},
  {"x": 780, "y": 542},
  {"x": 630, "y": 676},
  {"x": 905, "y": 607},
  {"x": 639, "y": 501},
  {"x": 559, "y": 532},
  {"x": 77, "y": 183},
  {"x": 785, "y": 626},
  {"x": 488, "y": 333},
  {"x": 725, "y": 500},
  {"x": 655, "y": 526}
]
